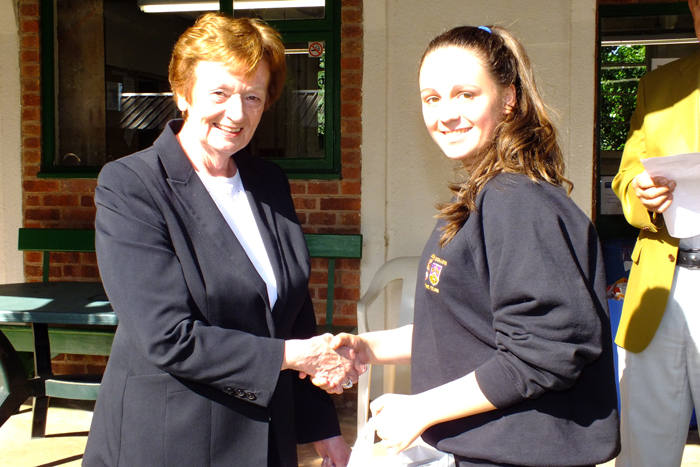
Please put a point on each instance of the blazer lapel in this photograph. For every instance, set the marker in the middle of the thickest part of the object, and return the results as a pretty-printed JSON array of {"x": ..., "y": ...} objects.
[
  {"x": 260, "y": 203},
  {"x": 686, "y": 96},
  {"x": 192, "y": 193}
]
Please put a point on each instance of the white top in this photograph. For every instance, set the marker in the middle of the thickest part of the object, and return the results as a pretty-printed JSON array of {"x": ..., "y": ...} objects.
[
  {"x": 229, "y": 196},
  {"x": 690, "y": 243}
]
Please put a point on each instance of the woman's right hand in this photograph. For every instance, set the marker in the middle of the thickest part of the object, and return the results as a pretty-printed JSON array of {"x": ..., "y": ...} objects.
[
  {"x": 655, "y": 193},
  {"x": 329, "y": 367}
]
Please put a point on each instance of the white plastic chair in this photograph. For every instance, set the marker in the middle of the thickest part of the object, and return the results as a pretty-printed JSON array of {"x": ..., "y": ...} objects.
[{"x": 403, "y": 268}]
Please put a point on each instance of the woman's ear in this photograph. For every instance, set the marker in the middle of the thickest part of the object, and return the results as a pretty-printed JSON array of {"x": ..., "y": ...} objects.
[
  {"x": 182, "y": 103},
  {"x": 509, "y": 99}
]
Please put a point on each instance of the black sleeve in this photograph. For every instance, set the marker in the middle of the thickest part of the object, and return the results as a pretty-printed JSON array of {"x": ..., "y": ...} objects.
[{"x": 544, "y": 305}]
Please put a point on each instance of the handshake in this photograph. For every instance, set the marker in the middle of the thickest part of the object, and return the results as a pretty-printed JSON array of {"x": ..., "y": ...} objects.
[{"x": 332, "y": 362}]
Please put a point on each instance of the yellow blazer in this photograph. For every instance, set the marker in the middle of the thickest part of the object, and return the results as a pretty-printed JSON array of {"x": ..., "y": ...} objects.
[{"x": 664, "y": 123}]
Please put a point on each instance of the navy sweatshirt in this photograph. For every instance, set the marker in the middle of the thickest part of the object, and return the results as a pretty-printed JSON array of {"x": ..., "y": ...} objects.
[{"x": 518, "y": 296}]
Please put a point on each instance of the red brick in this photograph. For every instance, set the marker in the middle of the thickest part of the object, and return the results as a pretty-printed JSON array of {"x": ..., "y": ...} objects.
[
  {"x": 351, "y": 3},
  {"x": 32, "y": 156},
  {"x": 41, "y": 214},
  {"x": 60, "y": 200},
  {"x": 30, "y": 171},
  {"x": 305, "y": 203},
  {"x": 350, "y": 279},
  {"x": 32, "y": 271},
  {"x": 323, "y": 188},
  {"x": 30, "y": 71},
  {"x": 340, "y": 204},
  {"x": 351, "y": 173},
  {"x": 96, "y": 368},
  {"x": 350, "y": 46},
  {"x": 88, "y": 258},
  {"x": 68, "y": 369},
  {"x": 31, "y": 115},
  {"x": 347, "y": 264},
  {"x": 318, "y": 277},
  {"x": 89, "y": 272},
  {"x": 302, "y": 218},
  {"x": 351, "y": 95},
  {"x": 31, "y": 129},
  {"x": 350, "y": 126},
  {"x": 29, "y": 26},
  {"x": 65, "y": 257},
  {"x": 33, "y": 256},
  {"x": 351, "y": 16},
  {"x": 31, "y": 85},
  {"x": 27, "y": 56},
  {"x": 32, "y": 200},
  {"x": 79, "y": 185},
  {"x": 31, "y": 100},
  {"x": 322, "y": 218},
  {"x": 298, "y": 187},
  {"x": 351, "y": 63},
  {"x": 350, "y": 157},
  {"x": 352, "y": 218},
  {"x": 29, "y": 9},
  {"x": 351, "y": 31},
  {"x": 30, "y": 41},
  {"x": 87, "y": 201},
  {"x": 350, "y": 110},
  {"x": 350, "y": 142},
  {"x": 40, "y": 186},
  {"x": 78, "y": 214},
  {"x": 350, "y": 78}
]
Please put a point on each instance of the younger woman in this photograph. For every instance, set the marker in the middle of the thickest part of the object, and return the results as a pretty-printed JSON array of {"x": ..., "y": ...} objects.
[{"x": 510, "y": 348}]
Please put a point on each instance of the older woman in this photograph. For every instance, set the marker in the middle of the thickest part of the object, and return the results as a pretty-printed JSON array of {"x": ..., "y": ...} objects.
[{"x": 204, "y": 261}]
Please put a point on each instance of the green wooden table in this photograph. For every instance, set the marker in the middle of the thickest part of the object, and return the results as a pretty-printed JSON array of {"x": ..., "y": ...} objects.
[{"x": 40, "y": 305}]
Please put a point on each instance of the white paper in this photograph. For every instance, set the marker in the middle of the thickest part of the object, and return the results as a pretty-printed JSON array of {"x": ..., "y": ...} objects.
[{"x": 682, "y": 217}]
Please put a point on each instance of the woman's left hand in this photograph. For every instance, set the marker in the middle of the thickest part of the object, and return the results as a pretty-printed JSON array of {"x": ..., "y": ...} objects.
[
  {"x": 399, "y": 420},
  {"x": 335, "y": 452}
]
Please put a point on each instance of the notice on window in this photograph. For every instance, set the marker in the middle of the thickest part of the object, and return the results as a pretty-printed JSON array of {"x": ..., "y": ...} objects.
[
  {"x": 682, "y": 217},
  {"x": 609, "y": 202}
]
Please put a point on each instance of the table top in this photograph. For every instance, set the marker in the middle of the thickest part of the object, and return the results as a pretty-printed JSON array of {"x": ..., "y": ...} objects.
[{"x": 56, "y": 303}]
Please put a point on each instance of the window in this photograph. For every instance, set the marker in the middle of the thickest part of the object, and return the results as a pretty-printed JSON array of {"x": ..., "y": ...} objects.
[
  {"x": 105, "y": 91},
  {"x": 634, "y": 39}
]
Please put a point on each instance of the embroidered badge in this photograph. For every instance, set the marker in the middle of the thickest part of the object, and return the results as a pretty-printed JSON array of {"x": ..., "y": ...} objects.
[{"x": 432, "y": 272}]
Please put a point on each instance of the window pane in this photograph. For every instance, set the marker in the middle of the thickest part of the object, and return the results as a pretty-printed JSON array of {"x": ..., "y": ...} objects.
[
  {"x": 113, "y": 94},
  {"x": 295, "y": 126}
]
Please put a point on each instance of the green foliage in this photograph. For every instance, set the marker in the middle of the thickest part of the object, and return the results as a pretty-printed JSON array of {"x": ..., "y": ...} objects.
[
  {"x": 321, "y": 114},
  {"x": 621, "y": 68}
]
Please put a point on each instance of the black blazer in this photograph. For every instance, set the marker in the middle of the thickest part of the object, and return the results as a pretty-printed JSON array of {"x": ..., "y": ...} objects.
[{"x": 194, "y": 374}]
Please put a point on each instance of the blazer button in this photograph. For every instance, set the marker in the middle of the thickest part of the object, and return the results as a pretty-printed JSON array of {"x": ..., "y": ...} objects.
[
  {"x": 228, "y": 390},
  {"x": 240, "y": 392},
  {"x": 671, "y": 258},
  {"x": 251, "y": 396},
  {"x": 645, "y": 228}
]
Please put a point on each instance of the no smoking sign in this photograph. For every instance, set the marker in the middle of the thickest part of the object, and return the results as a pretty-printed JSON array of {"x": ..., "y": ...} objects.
[{"x": 315, "y": 49}]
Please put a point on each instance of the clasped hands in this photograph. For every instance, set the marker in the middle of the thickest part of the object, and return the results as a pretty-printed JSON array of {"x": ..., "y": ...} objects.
[
  {"x": 655, "y": 193},
  {"x": 332, "y": 362}
]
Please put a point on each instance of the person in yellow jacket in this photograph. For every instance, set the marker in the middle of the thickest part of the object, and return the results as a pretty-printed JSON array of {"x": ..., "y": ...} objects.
[{"x": 659, "y": 332}]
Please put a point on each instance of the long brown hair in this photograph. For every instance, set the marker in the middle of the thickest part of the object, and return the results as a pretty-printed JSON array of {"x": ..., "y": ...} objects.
[{"x": 524, "y": 142}]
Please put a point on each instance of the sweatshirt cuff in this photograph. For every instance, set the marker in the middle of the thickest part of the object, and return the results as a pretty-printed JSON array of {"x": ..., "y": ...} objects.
[{"x": 497, "y": 386}]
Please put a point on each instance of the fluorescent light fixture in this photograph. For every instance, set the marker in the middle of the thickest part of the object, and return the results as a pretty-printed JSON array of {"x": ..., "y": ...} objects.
[
  {"x": 171, "y": 6},
  {"x": 668, "y": 41}
]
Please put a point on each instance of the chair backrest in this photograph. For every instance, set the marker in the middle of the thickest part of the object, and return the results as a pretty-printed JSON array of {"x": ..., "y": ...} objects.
[
  {"x": 333, "y": 246},
  {"x": 404, "y": 268}
]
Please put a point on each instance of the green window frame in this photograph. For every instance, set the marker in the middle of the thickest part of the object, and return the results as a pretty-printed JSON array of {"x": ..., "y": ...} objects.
[{"x": 326, "y": 30}]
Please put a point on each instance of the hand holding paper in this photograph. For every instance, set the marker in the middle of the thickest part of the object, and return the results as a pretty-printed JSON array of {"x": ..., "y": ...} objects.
[{"x": 682, "y": 215}]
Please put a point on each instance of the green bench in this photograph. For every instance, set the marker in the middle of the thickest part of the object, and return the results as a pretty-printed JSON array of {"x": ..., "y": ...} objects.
[{"x": 86, "y": 341}]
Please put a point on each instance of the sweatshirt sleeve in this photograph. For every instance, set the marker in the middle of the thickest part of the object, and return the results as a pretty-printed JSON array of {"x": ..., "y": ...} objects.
[{"x": 540, "y": 251}]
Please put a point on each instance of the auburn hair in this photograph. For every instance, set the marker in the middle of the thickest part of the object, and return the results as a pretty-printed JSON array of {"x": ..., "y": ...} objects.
[{"x": 240, "y": 44}]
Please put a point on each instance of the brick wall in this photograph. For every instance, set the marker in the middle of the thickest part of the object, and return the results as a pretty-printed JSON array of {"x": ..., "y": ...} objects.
[{"x": 324, "y": 206}]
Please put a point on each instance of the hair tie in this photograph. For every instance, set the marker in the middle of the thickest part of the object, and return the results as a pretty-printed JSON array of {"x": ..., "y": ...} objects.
[{"x": 485, "y": 28}]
